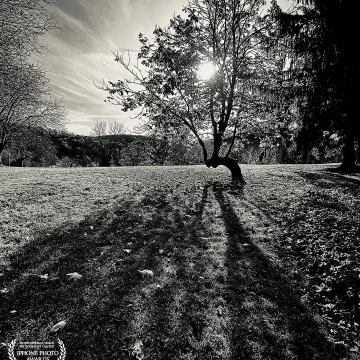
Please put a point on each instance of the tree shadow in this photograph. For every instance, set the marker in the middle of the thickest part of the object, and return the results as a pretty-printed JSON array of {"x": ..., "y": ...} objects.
[
  {"x": 354, "y": 170},
  {"x": 106, "y": 309},
  {"x": 194, "y": 304},
  {"x": 268, "y": 320},
  {"x": 313, "y": 198},
  {"x": 331, "y": 180}
]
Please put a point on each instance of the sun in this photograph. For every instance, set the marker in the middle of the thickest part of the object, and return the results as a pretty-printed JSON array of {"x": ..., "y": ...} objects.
[{"x": 206, "y": 71}]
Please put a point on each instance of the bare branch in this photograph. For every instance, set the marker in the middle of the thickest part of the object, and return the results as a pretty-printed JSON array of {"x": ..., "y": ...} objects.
[
  {"x": 99, "y": 128},
  {"x": 116, "y": 128}
]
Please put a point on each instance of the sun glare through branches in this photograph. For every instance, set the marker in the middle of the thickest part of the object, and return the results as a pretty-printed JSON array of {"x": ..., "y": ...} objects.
[{"x": 206, "y": 71}]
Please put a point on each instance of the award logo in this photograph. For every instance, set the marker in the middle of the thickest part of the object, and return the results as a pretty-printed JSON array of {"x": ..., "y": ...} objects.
[{"x": 34, "y": 350}]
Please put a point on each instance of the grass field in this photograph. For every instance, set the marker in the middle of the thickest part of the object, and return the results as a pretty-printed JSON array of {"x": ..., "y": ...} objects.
[{"x": 268, "y": 271}]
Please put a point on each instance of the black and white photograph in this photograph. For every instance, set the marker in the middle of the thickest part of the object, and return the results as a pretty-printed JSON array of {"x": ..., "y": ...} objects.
[{"x": 179, "y": 180}]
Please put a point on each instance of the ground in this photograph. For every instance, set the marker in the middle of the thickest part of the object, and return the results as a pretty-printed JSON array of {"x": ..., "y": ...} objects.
[{"x": 180, "y": 263}]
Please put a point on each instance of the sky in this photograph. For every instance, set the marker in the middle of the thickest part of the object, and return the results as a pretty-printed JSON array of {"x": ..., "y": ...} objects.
[{"x": 79, "y": 54}]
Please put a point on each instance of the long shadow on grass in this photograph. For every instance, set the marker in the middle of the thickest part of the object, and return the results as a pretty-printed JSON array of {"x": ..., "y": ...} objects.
[
  {"x": 268, "y": 321},
  {"x": 190, "y": 307},
  {"x": 330, "y": 180},
  {"x": 113, "y": 305}
]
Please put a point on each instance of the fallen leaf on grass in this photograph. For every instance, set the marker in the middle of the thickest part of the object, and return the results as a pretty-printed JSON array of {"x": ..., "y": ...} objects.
[
  {"x": 74, "y": 276},
  {"x": 58, "y": 326},
  {"x": 319, "y": 288},
  {"x": 329, "y": 306},
  {"x": 146, "y": 273},
  {"x": 41, "y": 276},
  {"x": 137, "y": 350}
]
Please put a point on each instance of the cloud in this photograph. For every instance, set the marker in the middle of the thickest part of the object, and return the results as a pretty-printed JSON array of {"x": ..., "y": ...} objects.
[{"x": 79, "y": 54}]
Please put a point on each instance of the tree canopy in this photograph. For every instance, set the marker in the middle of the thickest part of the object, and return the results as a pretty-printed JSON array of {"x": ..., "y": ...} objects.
[
  {"x": 22, "y": 23},
  {"x": 167, "y": 82},
  {"x": 317, "y": 38}
]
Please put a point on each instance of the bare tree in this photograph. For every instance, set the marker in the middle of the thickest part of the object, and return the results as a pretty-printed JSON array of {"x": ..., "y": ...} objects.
[
  {"x": 116, "y": 128},
  {"x": 99, "y": 128},
  {"x": 25, "y": 101}
]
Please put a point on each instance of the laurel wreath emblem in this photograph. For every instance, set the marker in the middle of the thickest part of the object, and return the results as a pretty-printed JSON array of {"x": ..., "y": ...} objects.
[
  {"x": 11, "y": 349},
  {"x": 62, "y": 350}
]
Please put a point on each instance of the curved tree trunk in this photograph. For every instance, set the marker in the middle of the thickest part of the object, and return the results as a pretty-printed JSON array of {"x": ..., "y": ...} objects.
[
  {"x": 216, "y": 160},
  {"x": 231, "y": 164},
  {"x": 234, "y": 167}
]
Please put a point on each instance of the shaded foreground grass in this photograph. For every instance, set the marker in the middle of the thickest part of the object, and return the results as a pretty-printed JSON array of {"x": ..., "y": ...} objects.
[{"x": 219, "y": 290}]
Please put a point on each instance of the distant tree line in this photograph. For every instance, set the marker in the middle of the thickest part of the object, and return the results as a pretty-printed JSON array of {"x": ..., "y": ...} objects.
[{"x": 41, "y": 147}]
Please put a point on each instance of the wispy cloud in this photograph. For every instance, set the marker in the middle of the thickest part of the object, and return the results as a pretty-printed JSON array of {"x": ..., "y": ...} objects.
[{"x": 79, "y": 54}]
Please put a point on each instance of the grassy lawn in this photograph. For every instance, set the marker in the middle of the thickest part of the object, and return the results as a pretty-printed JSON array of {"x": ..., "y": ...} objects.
[{"x": 270, "y": 271}]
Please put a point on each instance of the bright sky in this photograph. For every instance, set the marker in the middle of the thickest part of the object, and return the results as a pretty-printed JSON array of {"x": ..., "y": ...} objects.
[{"x": 79, "y": 54}]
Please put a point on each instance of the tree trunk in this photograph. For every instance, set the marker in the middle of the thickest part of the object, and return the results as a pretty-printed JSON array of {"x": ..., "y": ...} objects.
[
  {"x": 348, "y": 162},
  {"x": 350, "y": 131},
  {"x": 305, "y": 154},
  {"x": 21, "y": 161},
  {"x": 231, "y": 164},
  {"x": 3, "y": 141},
  {"x": 351, "y": 123},
  {"x": 283, "y": 154},
  {"x": 2, "y": 147}
]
